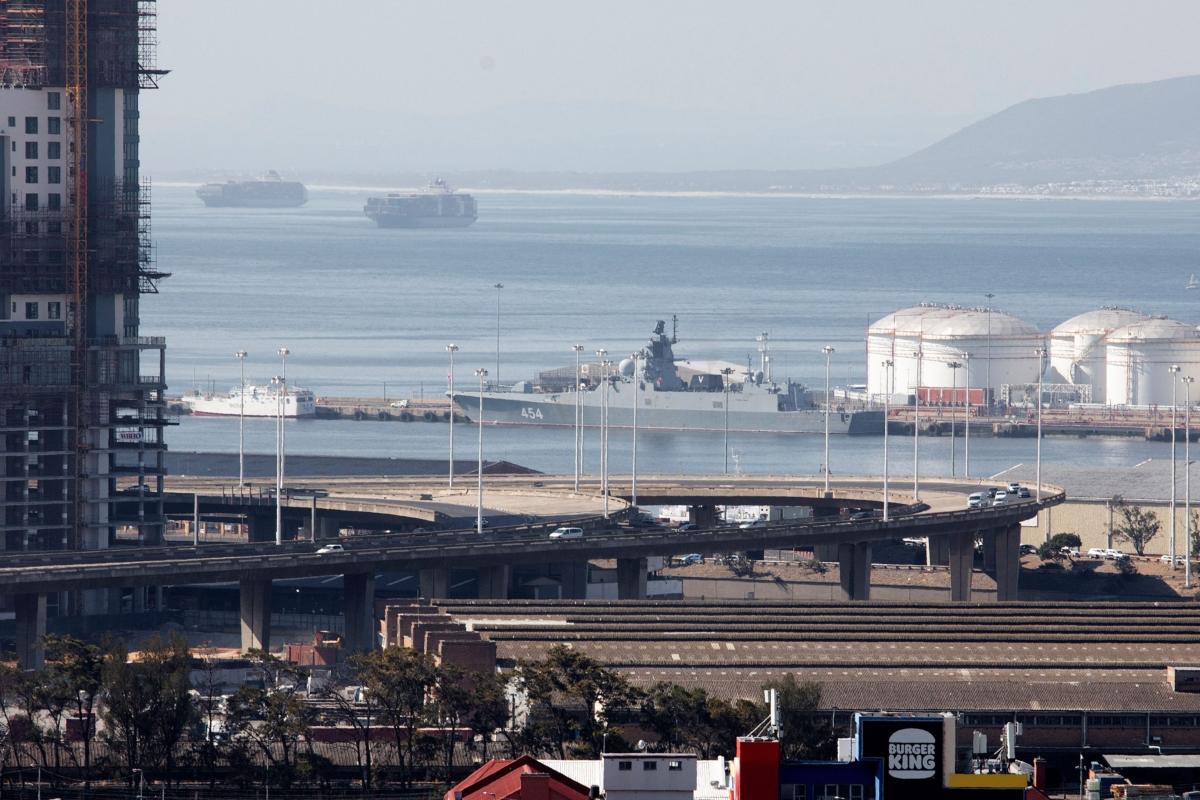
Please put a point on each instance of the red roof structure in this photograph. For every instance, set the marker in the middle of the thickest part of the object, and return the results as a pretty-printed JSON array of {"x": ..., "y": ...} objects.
[{"x": 523, "y": 778}]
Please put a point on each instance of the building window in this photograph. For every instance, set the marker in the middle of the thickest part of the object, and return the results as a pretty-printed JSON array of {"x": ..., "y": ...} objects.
[
  {"x": 53, "y": 101},
  {"x": 31, "y": 201},
  {"x": 53, "y": 150},
  {"x": 54, "y": 227},
  {"x": 54, "y": 201},
  {"x": 649, "y": 766},
  {"x": 31, "y": 228},
  {"x": 674, "y": 766},
  {"x": 12, "y": 122},
  {"x": 31, "y": 175},
  {"x": 793, "y": 791},
  {"x": 624, "y": 766},
  {"x": 31, "y": 311},
  {"x": 31, "y": 150},
  {"x": 31, "y": 126},
  {"x": 54, "y": 310},
  {"x": 53, "y": 174},
  {"x": 54, "y": 125}
]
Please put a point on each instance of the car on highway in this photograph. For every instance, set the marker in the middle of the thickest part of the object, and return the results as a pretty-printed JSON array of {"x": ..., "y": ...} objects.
[
  {"x": 684, "y": 527},
  {"x": 1023, "y": 493},
  {"x": 1014, "y": 487},
  {"x": 325, "y": 550},
  {"x": 1001, "y": 497},
  {"x": 754, "y": 523},
  {"x": 1097, "y": 552},
  {"x": 978, "y": 500},
  {"x": 567, "y": 533},
  {"x": 862, "y": 515}
]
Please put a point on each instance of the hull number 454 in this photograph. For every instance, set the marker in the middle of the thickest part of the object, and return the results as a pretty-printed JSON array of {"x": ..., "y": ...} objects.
[{"x": 531, "y": 412}]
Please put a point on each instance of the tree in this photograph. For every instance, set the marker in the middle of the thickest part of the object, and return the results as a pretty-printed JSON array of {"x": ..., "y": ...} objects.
[
  {"x": 1048, "y": 552},
  {"x": 807, "y": 734},
  {"x": 273, "y": 718},
  {"x": 1136, "y": 526},
  {"x": 572, "y": 697},
  {"x": 357, "y": 707},
  {"x": 211, "y": 711},
  {"x": 1068, "y": 540},
  {"x": 400, "y": 679},
  {"x": 147, "y": 703},
  {"x": 78, "y": 668},
  {"x": 689, "y": 719}
]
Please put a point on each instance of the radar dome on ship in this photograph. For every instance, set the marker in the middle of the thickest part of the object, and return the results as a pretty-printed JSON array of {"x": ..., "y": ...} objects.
[
  {"x": 626, "y": 367},
  {"x": 1138, "y": 358}
]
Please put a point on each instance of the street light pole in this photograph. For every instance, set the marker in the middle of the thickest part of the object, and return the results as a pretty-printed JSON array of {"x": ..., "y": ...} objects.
[
  {"x": 283, "y": 357},
  {"x": 277, "y": 382},
  {"x": 1187, "y": 480},
  {"x": 1174, "y": 370},
  {"x": 1041, "y": 354},
  {"x": 917, "y": 430},
  {"x": 578, "y": 348},
  {"x": 725, "y": 385},
  {"x": 966, "y": 357},
  {"x": 602, "y": 355},
  {"x": 498, "y": 287},
  {"x": 988, "y": 389},
  {"x": 887, "y": 396},
  {"x": 452, "y": 349},
  {"x": 828, "y": 351},
  {"x": 240, "y": 355},
  {"x": 954, "y": 367},
  {"x": 637, "y": 380},
  {"x": 480, "y": 373}
]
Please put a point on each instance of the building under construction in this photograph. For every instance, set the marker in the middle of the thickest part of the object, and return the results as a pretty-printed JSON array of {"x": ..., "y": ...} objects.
[{"x": 81, "y": 390}]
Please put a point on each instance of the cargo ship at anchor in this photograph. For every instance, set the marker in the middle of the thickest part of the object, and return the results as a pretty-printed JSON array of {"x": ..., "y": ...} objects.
[
  {"x": 668, "y": 402},
  {"x": 438, "y": 206},
  {"x": 269, "y": 191}
]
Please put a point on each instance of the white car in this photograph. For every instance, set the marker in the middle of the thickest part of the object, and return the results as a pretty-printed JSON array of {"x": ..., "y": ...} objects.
[
  {"x": 976, "y": 500},
  {"x": 330, "y": 548},
  {"x": 567, "y": 533},
  {"x": 1166, "y": 559},
  {"x": 1097, "y": 552},
  {"x": 1115, "y": 555},
  {"x": 1014, "y": 488},
  {"x": 754, "y": 523},
  {"x": 1001, "y": 497}
]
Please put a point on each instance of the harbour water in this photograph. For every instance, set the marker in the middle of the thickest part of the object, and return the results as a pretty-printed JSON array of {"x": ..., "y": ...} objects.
[{"x": 362, "y": 307}]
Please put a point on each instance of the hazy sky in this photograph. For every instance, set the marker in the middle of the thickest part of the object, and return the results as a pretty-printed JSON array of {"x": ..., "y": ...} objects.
[{"x": 384, "y": 86}]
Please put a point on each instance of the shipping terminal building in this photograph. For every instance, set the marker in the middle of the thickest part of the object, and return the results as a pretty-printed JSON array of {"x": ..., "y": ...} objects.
[{"x": 81, "y": 389}]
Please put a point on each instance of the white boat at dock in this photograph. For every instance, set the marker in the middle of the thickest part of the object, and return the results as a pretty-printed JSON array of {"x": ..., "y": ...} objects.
[{"x": 256, "y": 401}]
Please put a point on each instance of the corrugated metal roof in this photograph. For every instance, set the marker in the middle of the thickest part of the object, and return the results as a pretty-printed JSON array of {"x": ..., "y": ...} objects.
[
  {"x": 1122, "y": 761},
  {"x": 590, "y": 772}
]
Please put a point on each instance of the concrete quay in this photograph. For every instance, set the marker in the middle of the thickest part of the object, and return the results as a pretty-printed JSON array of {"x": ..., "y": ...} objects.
[{"x": 400, "y": 506}]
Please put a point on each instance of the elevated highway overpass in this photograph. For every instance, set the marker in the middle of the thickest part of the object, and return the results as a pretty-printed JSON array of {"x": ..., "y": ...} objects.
[{"x": 400, "y": 506}]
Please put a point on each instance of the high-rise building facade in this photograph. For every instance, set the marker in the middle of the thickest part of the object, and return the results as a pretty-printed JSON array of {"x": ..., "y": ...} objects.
[{"x": 81, "y": 389}]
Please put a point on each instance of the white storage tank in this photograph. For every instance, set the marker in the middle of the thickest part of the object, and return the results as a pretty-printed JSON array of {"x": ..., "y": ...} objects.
[
  {"x": 1078, "y": 348},
  {"x": 1138, "y": 357},
  {"x": 1001, "y": 349},
  {"x": 896, "y": 337}
]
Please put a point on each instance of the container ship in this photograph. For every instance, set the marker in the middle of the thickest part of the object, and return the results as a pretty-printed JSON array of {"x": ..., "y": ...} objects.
[
  {"x": 438, "y": 206},
  {"x": 673, "y": 396},
  {"x": 269, "y": 191},
  {"x": 252, "y": 401}
]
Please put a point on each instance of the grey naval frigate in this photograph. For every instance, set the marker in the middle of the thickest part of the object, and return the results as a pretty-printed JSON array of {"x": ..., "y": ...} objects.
[{"x": 671, "y": 396}]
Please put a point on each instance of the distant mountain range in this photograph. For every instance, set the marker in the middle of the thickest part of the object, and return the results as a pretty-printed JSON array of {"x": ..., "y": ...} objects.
[{"x": 1134, "y": 139}]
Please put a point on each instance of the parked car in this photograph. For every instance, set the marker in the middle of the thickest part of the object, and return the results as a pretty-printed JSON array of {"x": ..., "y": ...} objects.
[
  {"x": 330, "y": 548},
  {"x": 398, "y": 404},
  {"x": 1166, "y": 559},
  {"x": 567, "y": 533},
  {"x": 1069, "y": 552},
  {"x": 1097, "y": 552},
  {"x": 691, "y": 558},
  {"x": 1114, "y": 554},
  {"x": 1028, "y": 550}
]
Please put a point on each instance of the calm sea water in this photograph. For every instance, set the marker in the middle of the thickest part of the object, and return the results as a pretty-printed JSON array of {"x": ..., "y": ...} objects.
[{"x": 362, "y": 307}]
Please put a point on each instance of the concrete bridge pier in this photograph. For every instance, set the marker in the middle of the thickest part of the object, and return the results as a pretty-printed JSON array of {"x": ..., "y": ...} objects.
[
  {"x": 327, "y": 527},
  {"x": 358, "y": 609},
  {"x": 937, "y": 551},
  {"x": 435, "y": 583},
  {"x": 493, "y": 582},
  {"x": 703, "y": 516},
  {"x": 631, "y": 578},
  {"x": 255, "y": 602},
  {"x": 854, "y": 569},
  {"x": 961, "y": 558},
  {"x": 1006, "y": 544},
  {"x": 261, "y": 527},
  {"x": 31, "y": 630}
]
